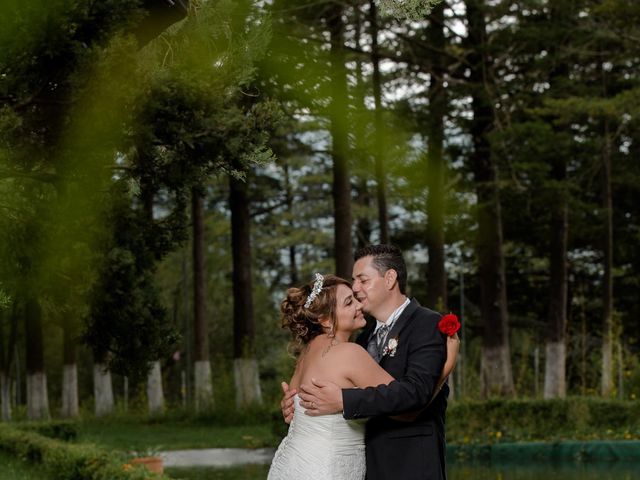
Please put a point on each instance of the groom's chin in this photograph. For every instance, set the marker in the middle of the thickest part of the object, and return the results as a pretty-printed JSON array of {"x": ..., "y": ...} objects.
[{"x": 369, "y": 318}]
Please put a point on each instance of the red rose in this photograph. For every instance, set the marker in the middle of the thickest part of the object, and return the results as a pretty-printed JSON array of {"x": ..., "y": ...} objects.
[{"x": 449, "y": 324}]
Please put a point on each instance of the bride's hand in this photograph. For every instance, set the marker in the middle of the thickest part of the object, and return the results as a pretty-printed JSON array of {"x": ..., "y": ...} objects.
[
  {"x": 453, "y": 348},
  {"x": 321, "y": 398},
  {"x": 286, "y": 404}
]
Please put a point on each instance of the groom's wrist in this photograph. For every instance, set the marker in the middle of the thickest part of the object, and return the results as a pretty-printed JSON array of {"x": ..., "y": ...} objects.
[{"x": 348, "y": 404}]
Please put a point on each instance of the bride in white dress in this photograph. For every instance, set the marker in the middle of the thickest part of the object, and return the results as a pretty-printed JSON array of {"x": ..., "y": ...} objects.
[{"x": 321, "y": 318}]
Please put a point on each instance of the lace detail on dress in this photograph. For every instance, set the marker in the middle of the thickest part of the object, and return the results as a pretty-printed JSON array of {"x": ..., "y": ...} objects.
[{"x": 327, "y": 447}]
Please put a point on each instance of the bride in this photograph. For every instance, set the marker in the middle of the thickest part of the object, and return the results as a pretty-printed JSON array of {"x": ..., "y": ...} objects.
[{"x": 321, "y": 318}]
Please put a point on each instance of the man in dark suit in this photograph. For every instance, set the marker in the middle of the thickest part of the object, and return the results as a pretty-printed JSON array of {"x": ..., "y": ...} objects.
[{"x": 405, "y": 433}]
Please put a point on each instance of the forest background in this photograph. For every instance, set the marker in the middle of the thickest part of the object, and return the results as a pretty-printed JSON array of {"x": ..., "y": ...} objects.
[{"x": 168, "y": 169}]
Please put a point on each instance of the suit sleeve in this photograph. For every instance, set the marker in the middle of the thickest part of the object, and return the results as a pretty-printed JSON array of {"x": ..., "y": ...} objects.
[{"x": 426, "y": 358}]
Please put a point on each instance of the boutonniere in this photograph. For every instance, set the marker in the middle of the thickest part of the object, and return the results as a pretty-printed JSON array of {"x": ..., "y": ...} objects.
[{"x": 391, "y": 347}]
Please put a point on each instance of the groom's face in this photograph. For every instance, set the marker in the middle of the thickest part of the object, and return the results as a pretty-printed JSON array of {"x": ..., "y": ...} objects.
[{"x": 368, "y": 285}]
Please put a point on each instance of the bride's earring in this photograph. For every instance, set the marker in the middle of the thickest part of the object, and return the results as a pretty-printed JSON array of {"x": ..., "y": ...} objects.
[{"x": 331, "y": 333}]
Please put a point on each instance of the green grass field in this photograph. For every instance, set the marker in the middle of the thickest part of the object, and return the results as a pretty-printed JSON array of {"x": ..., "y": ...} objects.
[{"x": 126, "y": 436}]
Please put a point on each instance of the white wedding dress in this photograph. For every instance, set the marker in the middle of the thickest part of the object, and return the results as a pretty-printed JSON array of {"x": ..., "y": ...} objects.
[{"x": 326, "y": 447}]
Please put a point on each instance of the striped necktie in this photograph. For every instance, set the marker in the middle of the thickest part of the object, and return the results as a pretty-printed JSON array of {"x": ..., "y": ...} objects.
[
  {"x": 381, "y": 336},
  {"x": 375, "y": 346}
]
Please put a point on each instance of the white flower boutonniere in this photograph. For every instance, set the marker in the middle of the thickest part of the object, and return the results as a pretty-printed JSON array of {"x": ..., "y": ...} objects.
[{"x": 390, "y": 349}]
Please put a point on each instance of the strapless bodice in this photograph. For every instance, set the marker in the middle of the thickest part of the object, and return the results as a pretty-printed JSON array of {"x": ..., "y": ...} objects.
[{"x": 326, "y": 447}]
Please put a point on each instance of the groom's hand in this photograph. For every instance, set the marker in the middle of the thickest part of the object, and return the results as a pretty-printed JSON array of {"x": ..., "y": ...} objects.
[
  {"x": 321, "y": 398},
  {"x": 286, "y": 404}
]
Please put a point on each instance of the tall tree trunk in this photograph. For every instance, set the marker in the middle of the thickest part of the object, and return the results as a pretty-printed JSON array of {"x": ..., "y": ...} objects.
[
  {"x": 555, "y": 350},
  {"x": 380, "y": 144},
  {"x": 155, "y": 392},
  {"x": 341, "y": 185},
  {"x": 202, "y": 366},
  {"x": 496, "y": 372},
  {"x": 606, "y": 386},
  {"x": 561, "y": 15},
  {"x": 293, "y": 265},
  {"x": 247, "y": 380},
  {"x": 436, "y": 275},
  {"x": 102, "y": 386},
  {"x": 37, "y": 396},
  {"x": 70, "y": 402},
  {"x": 363, "y": 227},
  {"x": 362, "y": 153}
]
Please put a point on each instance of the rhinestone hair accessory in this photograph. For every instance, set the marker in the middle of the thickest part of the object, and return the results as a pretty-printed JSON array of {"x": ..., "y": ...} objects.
[{"x": 317, "y": 286}]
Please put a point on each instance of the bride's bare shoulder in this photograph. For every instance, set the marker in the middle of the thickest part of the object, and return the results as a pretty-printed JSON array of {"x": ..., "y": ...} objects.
[{"x": 351, "y": 349}]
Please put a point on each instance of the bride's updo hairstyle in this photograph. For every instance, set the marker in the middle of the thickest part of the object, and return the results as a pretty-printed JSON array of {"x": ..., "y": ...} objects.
[{"x": 304, "y": 321}]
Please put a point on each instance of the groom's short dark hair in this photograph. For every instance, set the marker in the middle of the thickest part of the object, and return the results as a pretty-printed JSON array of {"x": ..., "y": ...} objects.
[{"x": 386, "y": 257}]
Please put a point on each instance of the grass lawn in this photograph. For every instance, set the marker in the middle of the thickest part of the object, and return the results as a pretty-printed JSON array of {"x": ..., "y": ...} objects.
[
  {"x": 126, "y": 435},
  {"x": 12, "y": 468}
]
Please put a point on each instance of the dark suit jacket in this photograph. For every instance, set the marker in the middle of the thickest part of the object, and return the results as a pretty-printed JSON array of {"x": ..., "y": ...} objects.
[{"x": 397, "y": 449}]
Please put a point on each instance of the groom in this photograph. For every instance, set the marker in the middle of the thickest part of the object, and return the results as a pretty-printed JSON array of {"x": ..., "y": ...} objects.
[{"x": 407, "y": 343}]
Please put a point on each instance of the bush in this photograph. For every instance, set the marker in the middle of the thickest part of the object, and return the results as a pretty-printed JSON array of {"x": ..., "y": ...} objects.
[
  {"x": 527, "y": 420},
  {"x": 60, "y": 430},
  {"x": 68, "y": 461}
]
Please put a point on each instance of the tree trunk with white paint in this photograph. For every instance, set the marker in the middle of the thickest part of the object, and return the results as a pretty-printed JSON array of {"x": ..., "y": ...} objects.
[
  {"x": 554, "y": 370},
  {"x": 70, "y": 403},
  {"x": 203, "y": 388},
  {"x": 155, "y": 393},
  {"x": 102, "y": 390},
  {"x": 203, "y": 385},
  {"x": 496, "y": 373},
  {"x": 247, "y": 382},
  {"x": 606, "y": 384},
  {"x": 245, "y": 367},
  {"x": 555, "y": 361},
  {"x": 37, "y": 398},
  {"x": 495, "y": 365}
]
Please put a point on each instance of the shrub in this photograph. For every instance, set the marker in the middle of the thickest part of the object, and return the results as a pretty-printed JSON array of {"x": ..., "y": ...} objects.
[
  {"x": 61, "y": 430},
  {"x": 514, "y": 420},
  {"x": 65, "y": 461}
]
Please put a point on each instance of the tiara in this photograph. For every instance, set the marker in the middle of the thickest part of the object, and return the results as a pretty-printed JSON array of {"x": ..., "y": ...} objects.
[{"x": 317, "y": 286}]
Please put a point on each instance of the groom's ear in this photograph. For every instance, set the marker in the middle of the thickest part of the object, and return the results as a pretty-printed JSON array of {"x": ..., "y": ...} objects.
[{"x": 390, "y": 278}]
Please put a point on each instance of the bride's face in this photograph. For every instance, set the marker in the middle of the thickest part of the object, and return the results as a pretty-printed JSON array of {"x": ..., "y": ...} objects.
[{"x": 349, "y": 315}]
